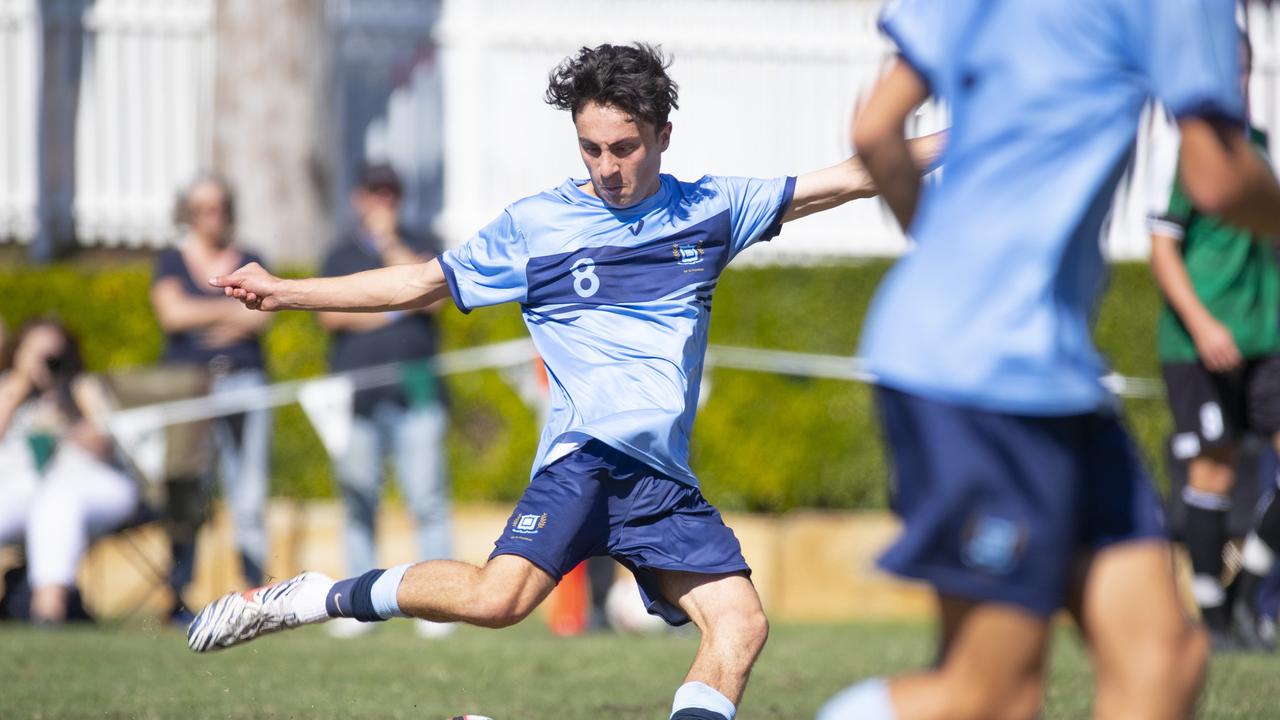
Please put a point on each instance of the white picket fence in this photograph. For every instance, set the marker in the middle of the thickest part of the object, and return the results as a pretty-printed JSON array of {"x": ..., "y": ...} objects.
[
  {"x": 143, "y": 112},
  {"x": 19, "y": 93},
  {"x": 767, "y": 88},
  {"x": 145, "y": 122}
]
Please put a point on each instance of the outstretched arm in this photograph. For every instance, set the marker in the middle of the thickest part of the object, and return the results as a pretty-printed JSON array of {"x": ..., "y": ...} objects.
[
  {"x": 834, "y": 186},
  {"x": 881, "y": 140},
  {"x": 398, "y": 287}
]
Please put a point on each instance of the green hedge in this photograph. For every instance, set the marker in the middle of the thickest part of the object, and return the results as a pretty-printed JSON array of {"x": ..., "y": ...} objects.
[{"x": 763, "y": 442}]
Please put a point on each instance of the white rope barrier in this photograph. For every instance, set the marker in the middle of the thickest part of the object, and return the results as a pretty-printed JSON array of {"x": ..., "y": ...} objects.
[{"x": 514, "y": 353}]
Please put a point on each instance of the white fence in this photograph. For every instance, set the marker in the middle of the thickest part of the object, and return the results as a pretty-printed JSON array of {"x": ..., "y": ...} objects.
[
  {"x": 19, "y": 93},
  {"x": 108, "y": 108},
  {"x": 146, "y": 115},
  {"x": 767, "y": 88}
]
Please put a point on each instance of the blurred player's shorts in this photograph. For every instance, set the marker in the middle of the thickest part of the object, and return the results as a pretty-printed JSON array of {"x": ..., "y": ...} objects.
[{"x": 997, "y": 507}]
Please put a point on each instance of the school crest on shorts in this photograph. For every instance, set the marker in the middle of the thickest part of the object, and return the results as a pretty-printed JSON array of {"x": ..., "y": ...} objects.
[
  {"x": 528, "y": 524},
  {"x": 993, "y": 544}
]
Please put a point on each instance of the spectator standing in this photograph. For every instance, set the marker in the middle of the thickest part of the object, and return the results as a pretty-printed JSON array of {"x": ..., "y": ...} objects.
[
  {"x": 403, "y": 423},
  {"x": 206, "y": 329},
  {"x": 61, "y": 482}
]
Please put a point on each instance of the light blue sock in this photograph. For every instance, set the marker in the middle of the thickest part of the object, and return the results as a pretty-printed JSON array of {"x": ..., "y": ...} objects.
[
  {"x": 383, "y": 593},
  {"x": 868, "y": 700},
  {"x": 702, "y": 695}
]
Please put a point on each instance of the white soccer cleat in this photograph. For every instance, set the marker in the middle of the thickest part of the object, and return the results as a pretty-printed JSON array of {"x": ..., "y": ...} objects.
[{"x": 242, "y": 616}]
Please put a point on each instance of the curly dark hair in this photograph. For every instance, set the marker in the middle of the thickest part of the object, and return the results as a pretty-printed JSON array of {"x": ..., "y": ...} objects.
[{"x": 632, "y": 78}]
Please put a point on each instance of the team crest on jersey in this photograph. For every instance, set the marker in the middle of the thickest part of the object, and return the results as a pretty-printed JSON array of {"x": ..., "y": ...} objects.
[
  {"x": 528, "y": 524},
  {"x": 688, "y": 253}
]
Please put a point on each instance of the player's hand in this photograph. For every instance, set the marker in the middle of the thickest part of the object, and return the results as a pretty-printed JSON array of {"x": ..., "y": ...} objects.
[
  {"x": 253, "y": 286},
  {"x": 1217, "y": 348}
]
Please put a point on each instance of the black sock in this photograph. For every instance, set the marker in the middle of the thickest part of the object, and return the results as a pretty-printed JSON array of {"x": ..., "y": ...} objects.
[
  {"x": 1206, "y": 533},
  {"x": 353, "y": 598},
  {"x": 1245, "y": 589}
]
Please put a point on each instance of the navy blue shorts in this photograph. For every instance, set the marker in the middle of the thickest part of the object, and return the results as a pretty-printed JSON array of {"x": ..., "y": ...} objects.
[
  {"x": 599, "y": 501},
  {"x": 997, "y": 508}
]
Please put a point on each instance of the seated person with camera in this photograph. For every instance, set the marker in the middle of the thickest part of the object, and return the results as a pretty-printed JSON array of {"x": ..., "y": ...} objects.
[{"x": 61, "y": 482}]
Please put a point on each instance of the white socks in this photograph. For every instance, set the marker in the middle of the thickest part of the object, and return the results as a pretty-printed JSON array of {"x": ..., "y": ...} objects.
[
  {"x": 868, "y": 700},
  {"x": 383, "y": 593},
  {"x": 308, "y": 603},
  {"x": 702, "y": 695},
  {"x": 1256, "y": 557}
]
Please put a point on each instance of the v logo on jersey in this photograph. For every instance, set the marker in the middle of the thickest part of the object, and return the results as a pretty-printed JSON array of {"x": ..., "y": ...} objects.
[{"x": 635, "y": 229}]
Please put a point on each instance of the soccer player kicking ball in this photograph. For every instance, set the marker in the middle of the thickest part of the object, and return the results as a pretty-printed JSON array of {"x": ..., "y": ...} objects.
[
  {"x": 1019, "y": 488},
  {"x": 615, "y": 276}
]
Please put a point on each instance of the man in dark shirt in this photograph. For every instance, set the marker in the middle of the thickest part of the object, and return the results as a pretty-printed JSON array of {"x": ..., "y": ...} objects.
[{"x": 404, "y": 423}]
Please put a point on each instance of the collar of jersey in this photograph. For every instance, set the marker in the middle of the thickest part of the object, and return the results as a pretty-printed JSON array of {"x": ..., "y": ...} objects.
[{"x": 574, "y": 193}]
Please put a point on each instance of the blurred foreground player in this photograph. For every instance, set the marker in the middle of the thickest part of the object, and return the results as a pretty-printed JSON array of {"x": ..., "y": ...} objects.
[
  {"x": 1018, "y": 486},
  {"x": 615, "y": 275},
  {"x": 1219, "y": 346}
]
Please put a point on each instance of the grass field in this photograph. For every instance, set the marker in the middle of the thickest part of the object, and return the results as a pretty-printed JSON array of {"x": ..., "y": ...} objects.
[{"x": 524, "y": 673}]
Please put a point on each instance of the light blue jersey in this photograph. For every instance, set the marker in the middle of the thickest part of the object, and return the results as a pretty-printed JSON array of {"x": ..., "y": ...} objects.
[
  {"x": 992, "y": 308},
  {"x": 618, "y": 302}
]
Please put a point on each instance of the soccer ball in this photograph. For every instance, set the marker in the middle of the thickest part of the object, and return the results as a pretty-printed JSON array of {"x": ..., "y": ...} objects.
[{"x": 625, "y": 610}]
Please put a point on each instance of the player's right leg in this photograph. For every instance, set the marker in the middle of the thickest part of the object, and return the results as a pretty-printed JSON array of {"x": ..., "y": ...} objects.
[
  {"x": 561, "y": 519},
  {"x": 1148, "y": 657},
  {"x": 501, "y": 593}
]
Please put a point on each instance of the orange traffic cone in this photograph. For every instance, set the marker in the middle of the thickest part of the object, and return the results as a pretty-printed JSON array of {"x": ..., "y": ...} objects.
[{"x": 568, "y": 605}]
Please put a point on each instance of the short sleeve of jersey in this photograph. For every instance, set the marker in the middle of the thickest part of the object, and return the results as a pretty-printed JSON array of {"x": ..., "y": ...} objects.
[
  {"x": 1177, "y": 217},
  {"x": 916, "y": 28},
  {"x": 168, "y": 264},
  {"x": 1193, "y": 57},
  {"x": 756, "y": 208},
  {"x": 490, "y": 267}
]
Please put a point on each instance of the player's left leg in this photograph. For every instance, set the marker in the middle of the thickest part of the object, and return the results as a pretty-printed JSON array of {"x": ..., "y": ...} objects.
[
  {"x": 726, "y": 609},
  {"x": 1263, "y": 541},
  {"x": 1148, "y": 657},
  {"x": 991, "y": 668}
]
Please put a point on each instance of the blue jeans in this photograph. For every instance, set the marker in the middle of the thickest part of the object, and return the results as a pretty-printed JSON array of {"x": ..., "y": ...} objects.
[
  {"x": 243, "y": 445},
  {"x": 414, "y": 440}
]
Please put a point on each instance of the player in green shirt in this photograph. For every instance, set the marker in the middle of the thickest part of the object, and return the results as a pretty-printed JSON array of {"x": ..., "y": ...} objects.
[{"x": 1218, "y": 341}]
